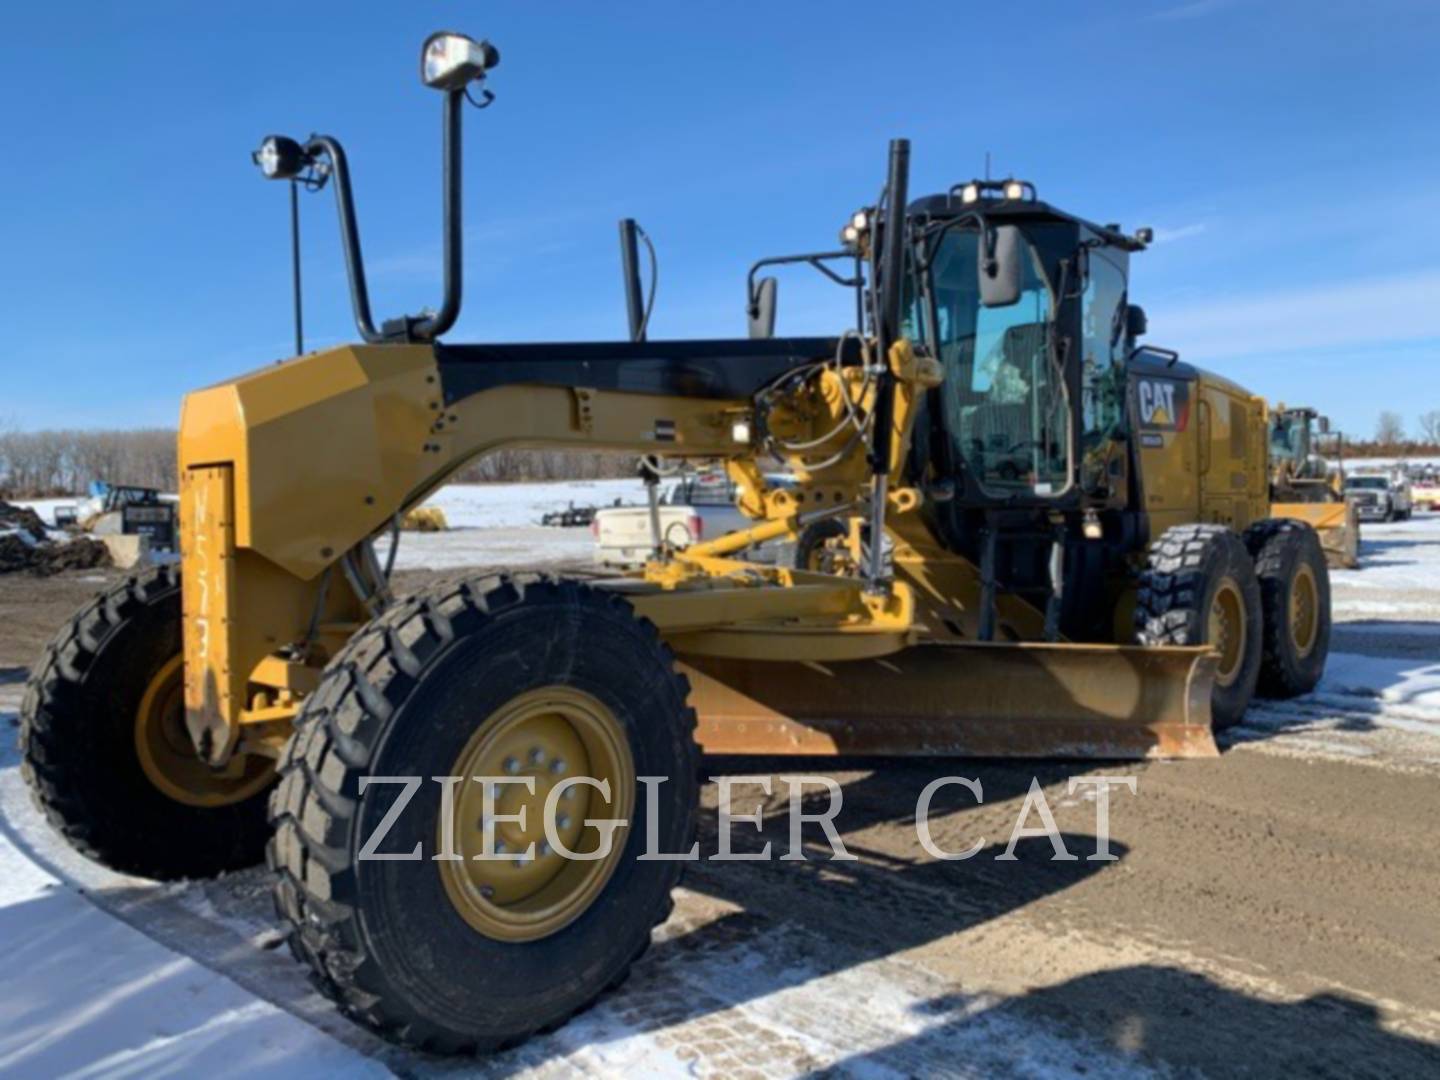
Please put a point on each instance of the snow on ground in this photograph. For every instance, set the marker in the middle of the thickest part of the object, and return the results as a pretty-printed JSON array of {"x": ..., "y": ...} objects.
[
  {"x": 84, "y": 994},
  {"x": 490, "y": 524},
  {"x": 493, "y": 506},
  {"x": 46, "y": 507},
  {"x": 1373, "y": 710},
  {"x": 1379, "y": 706},
  {"x": 1403, "y": 556},
  {"x": 108, "y": 975},
  {"x": 499, "y": 524}
]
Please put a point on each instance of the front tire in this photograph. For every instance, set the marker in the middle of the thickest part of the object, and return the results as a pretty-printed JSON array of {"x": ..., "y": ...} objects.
[
  {"x": 1200, "y": 589},
  {"x": 1295, "y": 598},
  {"x": 106, "y": 754},
  {"x": 490, "y": 677}
]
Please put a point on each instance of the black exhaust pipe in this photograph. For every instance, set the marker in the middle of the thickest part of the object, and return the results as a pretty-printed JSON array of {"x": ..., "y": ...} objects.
[
  {"x": 891, "y": 274},
  {"x": 630, "y": 270},
  {"x": 890, "y": 270}
]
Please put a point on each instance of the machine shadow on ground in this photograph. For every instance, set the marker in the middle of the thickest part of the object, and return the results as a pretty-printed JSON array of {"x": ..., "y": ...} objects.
[
  {"x": 1178, "y": 1020},
  {"x": 853, "y": 912}
]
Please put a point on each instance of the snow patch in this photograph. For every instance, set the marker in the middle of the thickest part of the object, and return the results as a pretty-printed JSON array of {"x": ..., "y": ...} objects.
[{"x": 83, "y": 994}]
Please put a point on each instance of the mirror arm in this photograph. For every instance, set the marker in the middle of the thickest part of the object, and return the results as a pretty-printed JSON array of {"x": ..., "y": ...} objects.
[
  {"x": 330, "y": 148},
  {"x": 431, "y": 327},
  {"x": 814, "y": 259}
]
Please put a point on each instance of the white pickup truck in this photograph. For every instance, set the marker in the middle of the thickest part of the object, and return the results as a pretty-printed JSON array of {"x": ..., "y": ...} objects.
[
  {"x": 692, "y": 509},
  {"x": 1379, "y": 496}
]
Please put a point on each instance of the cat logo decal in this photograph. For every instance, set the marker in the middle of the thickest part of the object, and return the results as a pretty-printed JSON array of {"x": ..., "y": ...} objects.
[{"x": 1164, "y": 404}]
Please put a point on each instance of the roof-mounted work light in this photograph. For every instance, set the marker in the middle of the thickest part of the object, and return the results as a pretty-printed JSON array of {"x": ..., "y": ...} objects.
[
  {"x": 450, "y": 61},
  {"x": 281, "y": 158},
  {"x": 1009, "y": 190}
]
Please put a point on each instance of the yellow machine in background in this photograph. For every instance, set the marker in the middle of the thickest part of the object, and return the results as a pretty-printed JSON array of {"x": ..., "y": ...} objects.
[
  {"x": 1042, "y": 538},
  {"x": 1308, "y": 486}
]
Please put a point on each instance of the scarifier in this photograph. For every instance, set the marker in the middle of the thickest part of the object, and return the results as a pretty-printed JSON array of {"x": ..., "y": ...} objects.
[{"x": 1075, "y": 557}]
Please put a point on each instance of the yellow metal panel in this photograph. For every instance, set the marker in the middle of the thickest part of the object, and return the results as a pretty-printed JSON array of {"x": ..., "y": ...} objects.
[
  {"x": 1234, "y": 473},
  {"x": 327, "y": 447},
  {"x": 1170, "y": 467},
  {"x": 212, "y": 688}
]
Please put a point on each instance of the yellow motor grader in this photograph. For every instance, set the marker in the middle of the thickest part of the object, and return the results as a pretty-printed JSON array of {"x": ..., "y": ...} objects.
[
  {"x": 1305, "y": 485},
  {"x": 1046, "y": 539}
]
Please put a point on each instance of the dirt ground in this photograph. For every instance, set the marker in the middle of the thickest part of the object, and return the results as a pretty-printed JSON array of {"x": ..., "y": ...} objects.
[{"x": 1275, "y": 911}]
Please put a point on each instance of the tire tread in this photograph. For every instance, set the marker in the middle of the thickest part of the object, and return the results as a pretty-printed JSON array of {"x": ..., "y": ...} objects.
[{"x": 312, "y": 810}]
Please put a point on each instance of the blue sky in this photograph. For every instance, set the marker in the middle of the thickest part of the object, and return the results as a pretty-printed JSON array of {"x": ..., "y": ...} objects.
[{"x": 1287, "y": 154}]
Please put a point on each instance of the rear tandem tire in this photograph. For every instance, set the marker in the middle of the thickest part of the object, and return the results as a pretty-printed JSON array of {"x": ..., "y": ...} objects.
[
  {"x": 1295, "y": 598},
  {"x": 81, "y": 738},
  {"x": 1200, "y": 589},
  {"x": 436, "y": 954}
]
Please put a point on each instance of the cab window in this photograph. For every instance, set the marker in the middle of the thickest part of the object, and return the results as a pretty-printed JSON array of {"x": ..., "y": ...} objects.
[
  {"x": 1005, "y": 404},
  {"x": 1102, "y": 378}
]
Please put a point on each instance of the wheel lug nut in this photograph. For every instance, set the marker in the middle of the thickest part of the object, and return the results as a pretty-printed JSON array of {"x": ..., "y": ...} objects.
[
  {"x": 487, "y": 891},
  {"x": 544, "y": 847},
  {"x": 512, "y": 765},
  {"x": 500, "y": 848},
  {"x": 563, "y": 821},
  {"x": 536, "y": 755},
  {"x": 557, "y": 766}
]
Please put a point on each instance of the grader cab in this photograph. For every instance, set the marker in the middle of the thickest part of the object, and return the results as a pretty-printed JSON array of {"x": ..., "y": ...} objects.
[{"x": 1042, "y": 538}]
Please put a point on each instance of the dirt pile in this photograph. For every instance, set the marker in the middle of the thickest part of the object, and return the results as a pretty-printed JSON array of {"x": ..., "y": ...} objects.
[
  {"x": 25, "y": 545},
  {"x": 22, "y": 517}
]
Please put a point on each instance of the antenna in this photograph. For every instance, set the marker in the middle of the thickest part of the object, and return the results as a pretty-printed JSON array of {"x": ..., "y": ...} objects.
[{"x": 987, "y": 165}]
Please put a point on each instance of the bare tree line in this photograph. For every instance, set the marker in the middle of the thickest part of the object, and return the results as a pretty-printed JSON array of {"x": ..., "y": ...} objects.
[
  {"x": 1390, "y": 438},
  {"x": 63, "y": 462},
  {"x": 36, "y": 464},
  {"x": 508, "y": 466}
]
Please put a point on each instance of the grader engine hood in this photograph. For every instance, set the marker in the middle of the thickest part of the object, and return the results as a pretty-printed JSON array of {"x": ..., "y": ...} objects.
[{"x": 354, "y": 422}]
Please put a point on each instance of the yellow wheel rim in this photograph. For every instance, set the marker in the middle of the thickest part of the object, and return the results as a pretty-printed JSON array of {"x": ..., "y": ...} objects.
[
  {"x": 167, "y": 754},
  {"x": 1226, "y": 631},
  {"x": 549, "y": 736},
  {"x": 1304, "y": 611}
]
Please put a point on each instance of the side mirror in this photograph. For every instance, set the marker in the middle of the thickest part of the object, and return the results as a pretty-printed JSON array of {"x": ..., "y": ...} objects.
[
  {"x": 1135, "y": 321},
  {"x": 762, "y": 308},
  {"x": 1000, "y": 271},
  {"x": 1323, "y": 423}
]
